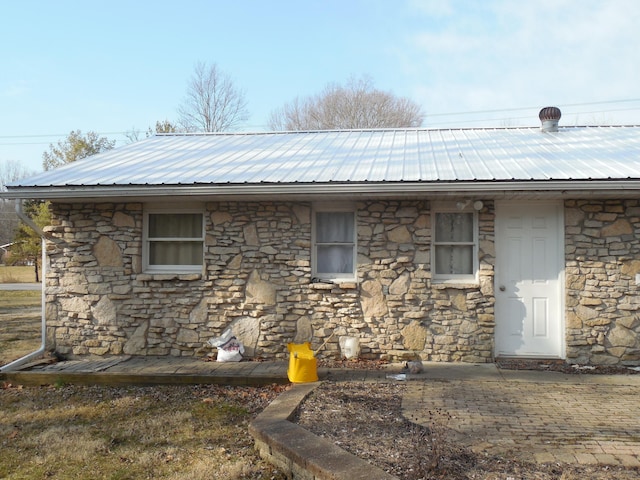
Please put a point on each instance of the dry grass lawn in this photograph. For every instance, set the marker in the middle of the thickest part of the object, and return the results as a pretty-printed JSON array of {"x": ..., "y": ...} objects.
[
  {"x": 17, "y": 274},
  {"x": 78, "y": 432},
  {"x": 170, "y": 432},
  {"x": 19, "y": 324}
]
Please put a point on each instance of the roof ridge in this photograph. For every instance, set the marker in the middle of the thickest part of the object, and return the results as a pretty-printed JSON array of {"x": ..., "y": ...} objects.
[{"x": 372, "y": 130}]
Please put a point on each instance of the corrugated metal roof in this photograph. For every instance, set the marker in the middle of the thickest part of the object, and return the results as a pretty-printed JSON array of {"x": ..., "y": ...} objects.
[{"x": 398, "y": 155}]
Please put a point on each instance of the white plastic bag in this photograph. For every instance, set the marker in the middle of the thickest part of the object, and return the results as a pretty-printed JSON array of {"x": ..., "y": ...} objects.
[{"x": 230, "y": 349}]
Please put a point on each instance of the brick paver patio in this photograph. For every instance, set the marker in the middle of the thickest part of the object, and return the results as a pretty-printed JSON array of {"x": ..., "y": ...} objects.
[{"x": 587, "y": 423}]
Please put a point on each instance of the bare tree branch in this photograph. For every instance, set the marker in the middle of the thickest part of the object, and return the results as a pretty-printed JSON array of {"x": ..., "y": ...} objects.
[
  {"x": 212, "y": 102},
  {"x": 10, "y": 170},
  {"x": 356, "y": 105}
]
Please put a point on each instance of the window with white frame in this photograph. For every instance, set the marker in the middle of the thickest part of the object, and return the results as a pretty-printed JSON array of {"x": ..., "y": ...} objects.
[
  {"x": 334, "y": 244},
  {"x": 455, "y": 246},
  {"x": 174, "y": 240}
]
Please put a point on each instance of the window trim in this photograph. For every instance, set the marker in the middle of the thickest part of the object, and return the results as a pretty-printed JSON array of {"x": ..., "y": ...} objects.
[
  {"x": 455, "y": 277},
  {"x": 146, "y": 241},
  {"x": 334, "y": 208}
]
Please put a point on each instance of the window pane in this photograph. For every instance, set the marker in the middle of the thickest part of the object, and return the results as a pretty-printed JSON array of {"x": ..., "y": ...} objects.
[
  {"x": 335, "y": 227},
  {"x": 175, "y": 253},
  {"x": 454, "y": 227},
  {"x": 335, "y": 259},
  {"x": 185, "y": 225},
  {"x": 455, "y": 259}
]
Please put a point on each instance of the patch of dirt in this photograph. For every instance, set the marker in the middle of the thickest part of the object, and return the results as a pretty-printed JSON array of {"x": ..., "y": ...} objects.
[
  {"x": 366, "y": 420},
  {"x": 353, "y": 363}
]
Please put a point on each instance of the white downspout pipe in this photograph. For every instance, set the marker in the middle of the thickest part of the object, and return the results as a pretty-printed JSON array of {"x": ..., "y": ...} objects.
[{"x": 43, "y": 263}]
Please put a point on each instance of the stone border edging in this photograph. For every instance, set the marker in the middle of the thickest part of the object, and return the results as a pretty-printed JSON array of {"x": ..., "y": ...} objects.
[{"x": 298, "y": 452}]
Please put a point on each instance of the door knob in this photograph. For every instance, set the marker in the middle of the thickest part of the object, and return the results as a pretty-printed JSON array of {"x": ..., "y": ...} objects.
[{"x": 502, "y": 288}]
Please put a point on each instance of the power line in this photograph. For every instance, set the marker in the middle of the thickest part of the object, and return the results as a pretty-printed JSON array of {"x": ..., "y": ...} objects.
[
  {"x": 478, "y": 112},
  {"x": 59, "y": 135},
  {"x": 528, "y": 117},
  {"x": 428, "y": 116}
]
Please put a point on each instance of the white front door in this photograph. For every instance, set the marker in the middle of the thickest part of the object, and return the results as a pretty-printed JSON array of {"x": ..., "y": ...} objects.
[{"x": 528, "y": 280}]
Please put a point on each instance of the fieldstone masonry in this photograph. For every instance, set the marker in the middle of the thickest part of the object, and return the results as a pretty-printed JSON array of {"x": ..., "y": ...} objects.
[
  {"x": 602, "y": 295},
  {"x": 256, "y": 280}
]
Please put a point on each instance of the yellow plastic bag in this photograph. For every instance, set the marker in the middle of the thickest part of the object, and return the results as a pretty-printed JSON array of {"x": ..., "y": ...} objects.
[{"x": 303, "y": 366}]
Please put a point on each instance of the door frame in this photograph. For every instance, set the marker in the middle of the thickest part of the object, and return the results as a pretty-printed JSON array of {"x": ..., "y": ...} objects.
[{"x": 561, "y": 242}]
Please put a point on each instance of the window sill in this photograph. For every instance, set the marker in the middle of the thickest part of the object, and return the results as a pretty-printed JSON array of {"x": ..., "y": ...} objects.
[
  {"x": 157, "y": 276},
  {"x": 330, "y": 284},
  {"x": 442, "y": 285}
]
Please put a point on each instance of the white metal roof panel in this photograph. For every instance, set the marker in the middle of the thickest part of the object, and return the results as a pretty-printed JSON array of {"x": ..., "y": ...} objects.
[{"x": 356, "y": 156}]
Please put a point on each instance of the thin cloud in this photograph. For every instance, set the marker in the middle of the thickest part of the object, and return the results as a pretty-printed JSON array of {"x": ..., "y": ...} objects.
[
  {"x": 432, "y": 8},
  {"x": 504, "y": 54},
  {"x": 14, "y": 91}
]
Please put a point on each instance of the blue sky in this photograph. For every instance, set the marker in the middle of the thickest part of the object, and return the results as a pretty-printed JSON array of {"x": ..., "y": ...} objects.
[{"x": 114, "y": 66}]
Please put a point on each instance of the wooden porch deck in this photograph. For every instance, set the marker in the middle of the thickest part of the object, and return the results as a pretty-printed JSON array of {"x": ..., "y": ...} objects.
[{"x": 128, "y": 370}]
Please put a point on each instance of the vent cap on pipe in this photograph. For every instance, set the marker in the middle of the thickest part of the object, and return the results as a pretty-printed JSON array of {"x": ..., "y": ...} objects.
[{"x": 550, "y": 116}]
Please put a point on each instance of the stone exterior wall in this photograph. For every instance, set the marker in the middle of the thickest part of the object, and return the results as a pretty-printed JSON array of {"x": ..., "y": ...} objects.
[
  {"x": 257, "y": 280},
  {"x": 602, "y": 296},
  {"x": 398, "y": 303}
]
